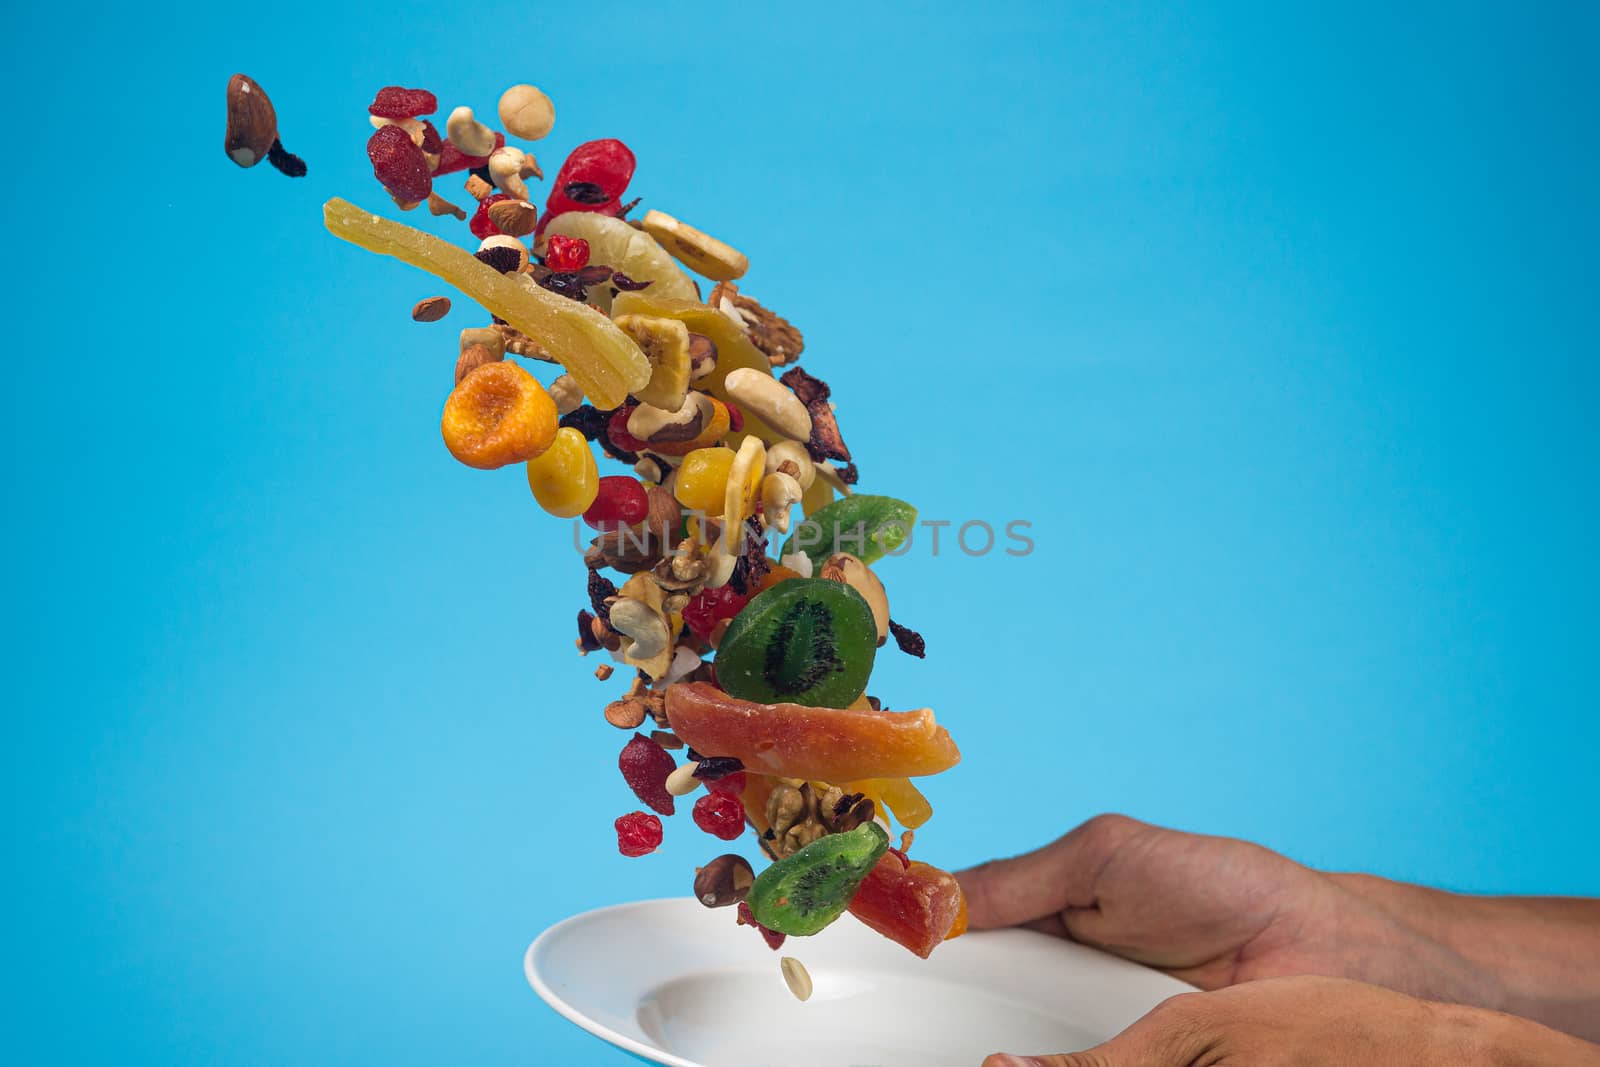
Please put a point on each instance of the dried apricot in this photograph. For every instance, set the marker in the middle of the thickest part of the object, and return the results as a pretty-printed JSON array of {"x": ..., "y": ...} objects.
[{"x": 496, "y": 415}]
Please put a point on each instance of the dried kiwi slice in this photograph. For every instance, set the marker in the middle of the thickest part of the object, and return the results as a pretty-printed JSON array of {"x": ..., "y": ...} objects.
[
  {"x": 805, "y": 892},
  {"x": 804, "y": 641}
]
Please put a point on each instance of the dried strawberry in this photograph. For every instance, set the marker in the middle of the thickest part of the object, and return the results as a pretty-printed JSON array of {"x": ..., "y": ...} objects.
[
  {"x": 399, "y": 164},
  {"x": 593, "y": 178},
  {"x": 638, "y": 833},
  {"x": 395, "y": 102},
  {"x": 452, "y": 159},
  {"x": 645, "y": 766},
  {"x": 432, "y": 143}
]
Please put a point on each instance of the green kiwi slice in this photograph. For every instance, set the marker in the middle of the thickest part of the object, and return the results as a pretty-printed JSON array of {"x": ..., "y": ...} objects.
[
  {"x": 805, "y": 892},
  {"x": 804, "y": 641}
]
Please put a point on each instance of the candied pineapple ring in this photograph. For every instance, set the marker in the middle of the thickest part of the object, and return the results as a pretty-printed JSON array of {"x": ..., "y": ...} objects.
[
  {"x": 603, "y": 360},
  {"x": 792, "y": 741},
  {"x": 496, "y": 415}
]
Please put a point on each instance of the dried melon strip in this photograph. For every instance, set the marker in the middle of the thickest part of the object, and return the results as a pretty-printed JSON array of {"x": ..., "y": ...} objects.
[{"x": 603, "y": 360}]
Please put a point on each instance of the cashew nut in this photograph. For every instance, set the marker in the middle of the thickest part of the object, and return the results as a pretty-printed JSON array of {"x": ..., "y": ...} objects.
[
  {"x": 467, "y": 133},
  {"x": 505, "y": 167},
  {"x": 644, "y": 636},
  {"x": 779, "y": 493}
]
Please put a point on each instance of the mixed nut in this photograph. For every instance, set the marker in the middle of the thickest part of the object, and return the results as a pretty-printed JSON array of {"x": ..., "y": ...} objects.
[{"x": 750, "y": 658}]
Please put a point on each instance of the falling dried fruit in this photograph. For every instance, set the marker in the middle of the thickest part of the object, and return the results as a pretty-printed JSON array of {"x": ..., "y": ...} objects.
[{"x": 498, "y": 414}]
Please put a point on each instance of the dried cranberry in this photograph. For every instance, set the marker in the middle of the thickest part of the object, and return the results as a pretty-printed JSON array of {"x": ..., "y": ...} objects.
[
  {"x": 605, "y": 165},
  {"x": 709, "y": 607},
  {"x": 747, "y": 917},
  {"x": 594, "y": 275},
  {"x": 567, "y": 253},
  {"x": 394, "y": 102},
  {"x": 399, "y": 164},
  {"x": 481, "y": 225},
  {"x": 621, "y": 502},
  {"x": 719, "y": 815},
  {"x": 638, "y": 833},
  {"x": 735, "y": 417},
  {"x": 617, "y": 430},
  {"x": 645, "y": 766},
  {"x": 732, "y": 784}
]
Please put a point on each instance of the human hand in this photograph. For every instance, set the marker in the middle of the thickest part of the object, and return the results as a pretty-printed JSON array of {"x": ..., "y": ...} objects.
[
  {"x": 1320, "y": 1022},
  {"x": 1212, "y": 911}
]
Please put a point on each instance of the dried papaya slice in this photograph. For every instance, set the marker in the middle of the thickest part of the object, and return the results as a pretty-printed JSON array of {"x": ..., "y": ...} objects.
[
  {"x": 791, "y": 741},
  {"x": 912, "y": 904}
]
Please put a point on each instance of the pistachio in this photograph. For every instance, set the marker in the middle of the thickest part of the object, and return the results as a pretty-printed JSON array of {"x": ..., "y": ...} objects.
[
  {"x": 724, "y": 881},
  {"x": 846, "y": 569},
  {"x": 771, "y": 400}
]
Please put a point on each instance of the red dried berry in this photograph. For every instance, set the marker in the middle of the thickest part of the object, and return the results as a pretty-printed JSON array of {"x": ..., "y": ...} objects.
[
  {"x": 395, "y": 102},
  {"x": 617, "y": 430},
  {"x": 719, "y": 815},
  {"x": 593, "y": 178},
  {"x": 452, "y": 159},
  {"x": 481, "y": 225},
  {"x": 432, "y": 143},
  {"x": 710, "y": 606},
  {"x": 645, "y": 766},
  {"x": 638, "y": 833},
  {"x": 730, "y": 784},
  {"x": 567, "y": 253},
  {"x": 621, "y": 502},
  {"x": 746, "y": 917},
  {"x": 735, "y": 417},
  {"x": 399, "y": 164}
]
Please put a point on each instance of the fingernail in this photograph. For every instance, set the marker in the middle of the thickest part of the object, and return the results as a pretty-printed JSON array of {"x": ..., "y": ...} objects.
[{"x": 1003, "y": 1060}]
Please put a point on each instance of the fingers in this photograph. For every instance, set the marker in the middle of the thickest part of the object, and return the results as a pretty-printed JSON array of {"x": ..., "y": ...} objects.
[
  {"x": 1046, "y": 881},
  {"x": 1175, "y": 1034}
]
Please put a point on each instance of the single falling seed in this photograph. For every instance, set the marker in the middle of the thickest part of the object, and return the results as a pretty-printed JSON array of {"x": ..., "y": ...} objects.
[{"x": 798, "y": 978}]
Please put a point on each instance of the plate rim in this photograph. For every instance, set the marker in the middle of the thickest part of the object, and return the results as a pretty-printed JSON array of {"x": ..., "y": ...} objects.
[
  {"x": 628, "y": 1044},
  {"x": 631, "y": 1045}
]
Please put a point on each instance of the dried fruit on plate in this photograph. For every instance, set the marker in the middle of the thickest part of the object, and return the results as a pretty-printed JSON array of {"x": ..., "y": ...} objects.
[
  {"x": 913, "y": 904},
  {"x": 825, "y": 744}
]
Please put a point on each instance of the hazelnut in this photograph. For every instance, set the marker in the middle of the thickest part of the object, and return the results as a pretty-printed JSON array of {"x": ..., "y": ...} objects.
[{"x": 724, "y": 881}]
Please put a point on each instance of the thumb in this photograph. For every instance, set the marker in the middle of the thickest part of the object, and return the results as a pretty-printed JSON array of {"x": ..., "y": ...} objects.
[
  {"x": 1174, "y": 1034},
  {"x": 1049, "y": 880}
]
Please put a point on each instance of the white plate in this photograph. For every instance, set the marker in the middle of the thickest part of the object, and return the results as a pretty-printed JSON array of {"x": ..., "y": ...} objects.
[{"x": 676, "y": 983}]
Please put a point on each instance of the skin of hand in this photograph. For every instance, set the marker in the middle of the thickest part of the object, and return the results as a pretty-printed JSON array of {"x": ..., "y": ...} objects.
[
  {"x": 1321, "y": 1022},
  {"x": 1216, "y": 912}
]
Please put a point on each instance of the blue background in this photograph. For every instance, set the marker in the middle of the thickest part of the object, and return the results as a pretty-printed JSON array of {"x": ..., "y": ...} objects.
[{"x": 1278, "y": 326}]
